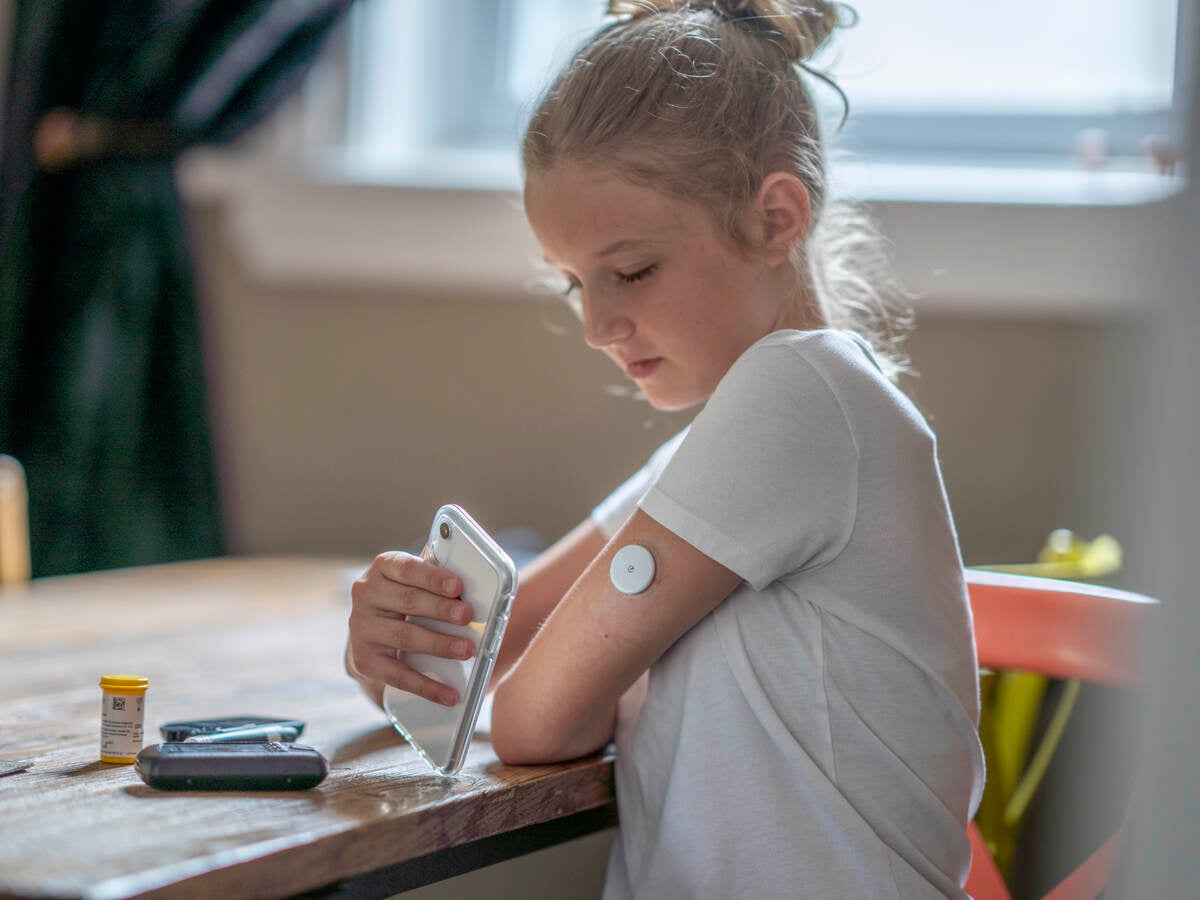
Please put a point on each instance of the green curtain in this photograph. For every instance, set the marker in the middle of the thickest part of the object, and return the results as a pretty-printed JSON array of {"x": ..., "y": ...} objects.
[{"x": 101, "y": 370}]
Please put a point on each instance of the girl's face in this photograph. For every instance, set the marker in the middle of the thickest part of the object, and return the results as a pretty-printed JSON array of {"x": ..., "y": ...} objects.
[{"x": 660, "y": 290}]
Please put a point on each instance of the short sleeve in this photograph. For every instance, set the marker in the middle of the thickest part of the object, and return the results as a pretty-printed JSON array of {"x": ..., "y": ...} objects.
[
  {"x": 615, "y": 510},
  {"x": 766, "y": 481}
]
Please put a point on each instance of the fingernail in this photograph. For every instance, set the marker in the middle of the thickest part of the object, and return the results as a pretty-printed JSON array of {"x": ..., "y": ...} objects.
[
  {"x": 450, "y": 585},
  {"x": 464, "y": 614},
  {"x": 448, "y": 698},
  {"x": 461, "y": 648}
]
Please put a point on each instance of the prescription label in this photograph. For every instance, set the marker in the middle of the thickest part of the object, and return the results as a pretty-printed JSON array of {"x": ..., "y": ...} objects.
[{"x": 121, "y": 718}]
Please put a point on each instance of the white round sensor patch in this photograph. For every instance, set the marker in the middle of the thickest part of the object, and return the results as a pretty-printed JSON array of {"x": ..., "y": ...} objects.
[{"x": 632, "y": 569}]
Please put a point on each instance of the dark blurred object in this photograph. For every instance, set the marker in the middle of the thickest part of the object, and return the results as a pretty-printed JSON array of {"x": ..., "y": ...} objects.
[{"x": 101, "y": 374}]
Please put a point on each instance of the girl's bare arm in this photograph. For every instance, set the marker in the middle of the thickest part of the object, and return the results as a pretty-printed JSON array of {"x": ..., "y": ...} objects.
[{"x": 541, "y": 585}]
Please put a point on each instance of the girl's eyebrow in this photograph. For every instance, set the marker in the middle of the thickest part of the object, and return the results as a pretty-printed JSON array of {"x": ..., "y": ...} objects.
[
  {"x": 624, "y": 244},
  {"x": 615, "y": 247}
]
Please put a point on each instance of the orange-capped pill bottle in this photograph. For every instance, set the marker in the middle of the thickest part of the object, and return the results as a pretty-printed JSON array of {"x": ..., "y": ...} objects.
[{"x": 122, "y": 709}]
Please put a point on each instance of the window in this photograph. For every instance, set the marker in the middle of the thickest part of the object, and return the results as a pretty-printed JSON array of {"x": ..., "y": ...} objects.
[
  {"x": 1007, "y": 80},
  {"x": 442, "y": 89}
]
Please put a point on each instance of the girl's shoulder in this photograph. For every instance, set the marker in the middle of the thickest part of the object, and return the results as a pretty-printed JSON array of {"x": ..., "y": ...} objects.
[
  {"x": 827, "y": 344},
  {"x": 839, "y": 359},
  {"x": 824, "y": 368}
]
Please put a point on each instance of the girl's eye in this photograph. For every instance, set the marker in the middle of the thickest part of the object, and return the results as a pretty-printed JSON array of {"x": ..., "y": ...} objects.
[
  {"x": 640, "y": 274},
  {"x": 572, "y": 287}
]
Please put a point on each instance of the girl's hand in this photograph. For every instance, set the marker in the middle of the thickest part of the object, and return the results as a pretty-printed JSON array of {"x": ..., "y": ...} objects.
[{"x": 398, "y": 586}]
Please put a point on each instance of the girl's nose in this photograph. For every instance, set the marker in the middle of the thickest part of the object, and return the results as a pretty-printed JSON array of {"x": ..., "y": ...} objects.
[{"x": 603, "y": 325}]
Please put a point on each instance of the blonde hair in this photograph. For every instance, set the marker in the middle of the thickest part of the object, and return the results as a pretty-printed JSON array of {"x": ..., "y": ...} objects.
[{"x": 702, "y": 99}]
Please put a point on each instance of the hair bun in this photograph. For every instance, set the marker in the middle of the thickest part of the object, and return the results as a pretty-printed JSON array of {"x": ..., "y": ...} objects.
[{"x": 801, "y": 27}]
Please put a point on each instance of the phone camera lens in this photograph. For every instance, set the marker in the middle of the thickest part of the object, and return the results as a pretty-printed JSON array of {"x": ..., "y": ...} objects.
[{"x": 445, "y": 531}]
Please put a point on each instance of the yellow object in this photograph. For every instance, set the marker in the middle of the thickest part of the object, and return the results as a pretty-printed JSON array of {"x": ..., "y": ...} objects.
[
  {"x": 1067, "y": 555},
  {"x": 122, "y": 712},
  {"x": 125, "y": 684},
  {"x": 1022, "y": 794}
]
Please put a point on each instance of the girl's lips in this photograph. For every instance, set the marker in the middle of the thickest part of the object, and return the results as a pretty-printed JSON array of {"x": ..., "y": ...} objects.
[{"x": 642, "y": 368}]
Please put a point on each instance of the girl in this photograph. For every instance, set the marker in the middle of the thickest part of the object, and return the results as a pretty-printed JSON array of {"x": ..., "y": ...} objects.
[{"x": 808, "y": 724}]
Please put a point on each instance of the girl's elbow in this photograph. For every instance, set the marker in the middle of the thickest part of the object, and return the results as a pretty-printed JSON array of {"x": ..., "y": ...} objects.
[
  {"x": 515, "y": 742},
  {"x": 521, "y": 736},
  {"x": 511, "y": 749},
  {"x": 524, "y": 749}
]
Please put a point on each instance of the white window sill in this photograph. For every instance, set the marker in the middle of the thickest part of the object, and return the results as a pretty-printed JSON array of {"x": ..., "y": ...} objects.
[
  {"x": 972, "y": 240},
  {"x": 1033, "y": 182}
]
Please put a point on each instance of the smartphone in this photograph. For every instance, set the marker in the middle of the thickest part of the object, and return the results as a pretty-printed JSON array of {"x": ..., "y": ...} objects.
[
  {"x": 257, "y": 766},
  {"x": 442, "y": 734}
]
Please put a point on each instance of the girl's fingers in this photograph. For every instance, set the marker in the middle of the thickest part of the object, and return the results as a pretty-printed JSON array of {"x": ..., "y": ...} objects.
[
  {"x": 382, "y": 665},
  {"x": 378, "y": 589},
  {"x": 371, "y": 628},
  {"x": 406, "y": 569},
  {"x": 397, "y": 588},
  {"x": 412, "y": 637}
]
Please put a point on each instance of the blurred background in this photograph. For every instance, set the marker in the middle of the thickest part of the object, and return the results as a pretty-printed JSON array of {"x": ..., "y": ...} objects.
[
  {"x": 397, "y": 275},
  {"x": 347, "y": 328}
]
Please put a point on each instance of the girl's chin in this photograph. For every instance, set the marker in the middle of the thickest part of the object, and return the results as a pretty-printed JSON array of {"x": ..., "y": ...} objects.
[
  {"x": 656, "y": 389},
  {"x": 666, "y": 401}
]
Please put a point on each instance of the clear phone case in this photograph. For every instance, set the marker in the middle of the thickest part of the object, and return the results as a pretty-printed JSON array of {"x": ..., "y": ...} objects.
[{"x": 442, "y": 734}]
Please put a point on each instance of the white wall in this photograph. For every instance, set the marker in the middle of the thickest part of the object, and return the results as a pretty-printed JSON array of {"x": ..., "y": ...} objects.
[{"x": 345, "y": 415}]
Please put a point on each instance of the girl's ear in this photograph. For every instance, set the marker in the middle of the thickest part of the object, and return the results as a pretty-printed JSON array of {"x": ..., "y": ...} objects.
[{"x": 784, "y": 206}]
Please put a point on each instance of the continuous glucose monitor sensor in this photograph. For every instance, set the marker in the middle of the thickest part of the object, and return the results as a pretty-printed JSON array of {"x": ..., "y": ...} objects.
[{"x": 632, "y": 569}]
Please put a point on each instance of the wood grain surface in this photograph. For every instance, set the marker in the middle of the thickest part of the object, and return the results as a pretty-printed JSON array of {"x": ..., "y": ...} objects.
[{"x": 220, "y": 638}]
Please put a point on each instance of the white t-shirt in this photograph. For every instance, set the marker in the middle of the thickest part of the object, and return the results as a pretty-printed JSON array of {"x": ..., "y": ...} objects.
[{"x": 815, "y": 735}]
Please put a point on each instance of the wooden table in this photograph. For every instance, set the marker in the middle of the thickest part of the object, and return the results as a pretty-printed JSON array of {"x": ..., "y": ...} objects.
[{"x": 228, "y": 637}]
